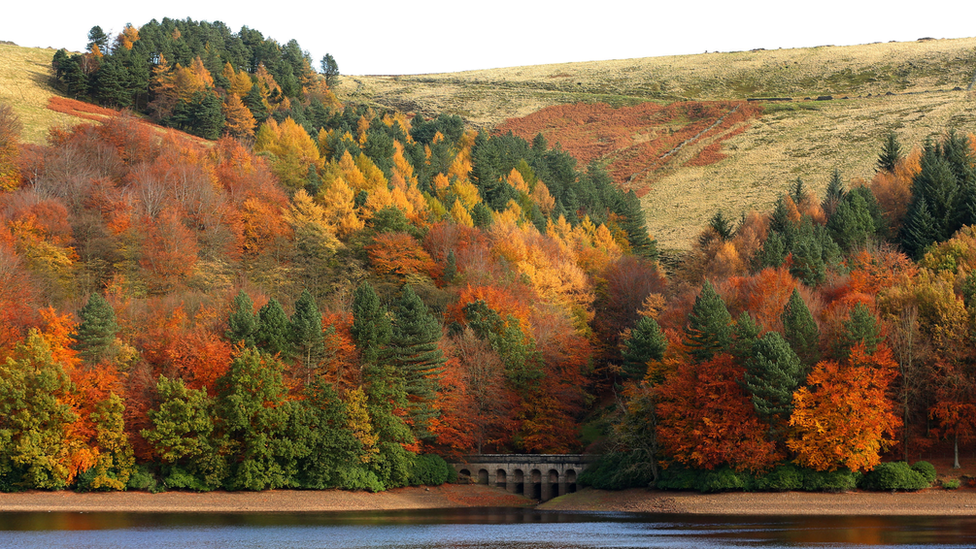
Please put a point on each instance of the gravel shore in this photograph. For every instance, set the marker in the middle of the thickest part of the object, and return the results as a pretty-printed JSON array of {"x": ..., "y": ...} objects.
[
  {"x": 931, "y": 502},
  {"x": 927, "y": 502}
]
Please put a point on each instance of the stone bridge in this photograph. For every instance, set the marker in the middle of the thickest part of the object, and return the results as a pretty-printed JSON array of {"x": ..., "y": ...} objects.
[{"x": 536, "y": 476}]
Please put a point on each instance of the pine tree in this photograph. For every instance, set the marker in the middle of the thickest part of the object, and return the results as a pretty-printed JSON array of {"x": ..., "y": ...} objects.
[
  {"x": 242, "y": 325},
  {"x": 709, "y": 329},
  {"x": 773, "y": 373},
  {"x": 305, "y": 331},
  {"x": 96, "y": 331},
  {"x": 646, "y": 343},
  {"x": 851, "y": 225},
  {"x": 272, "y": 334},
  {"x": 890, "y": 154},
  {"x": 860, "y": 327},
  {"x": 834, "y": 195},
  {"x": 371, "y": 328},
  {"x": 450, "y": 268},
  {"x": 800, "y": 330},
  {"x": 417, "y": 358},
  {"x": 744, "y": 335},
  {"x": 330, "y": 69}
]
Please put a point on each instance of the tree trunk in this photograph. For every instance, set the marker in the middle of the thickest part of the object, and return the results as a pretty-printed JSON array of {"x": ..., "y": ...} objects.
[{"x": 955, "y": 464}]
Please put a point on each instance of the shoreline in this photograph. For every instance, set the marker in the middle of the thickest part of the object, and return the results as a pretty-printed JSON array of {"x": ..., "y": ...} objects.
[{"x": 931, "y": 502}]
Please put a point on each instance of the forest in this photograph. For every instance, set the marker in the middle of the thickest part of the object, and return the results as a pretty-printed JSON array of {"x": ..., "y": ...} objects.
[{"x": 299, "y": 293}]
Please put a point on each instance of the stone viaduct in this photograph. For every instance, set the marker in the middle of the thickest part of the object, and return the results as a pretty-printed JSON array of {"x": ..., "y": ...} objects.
[{"x": 536, "y": 476}]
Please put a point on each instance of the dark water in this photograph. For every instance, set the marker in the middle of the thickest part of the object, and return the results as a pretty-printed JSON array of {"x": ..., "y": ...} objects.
[{"x": 473, "y": 529}]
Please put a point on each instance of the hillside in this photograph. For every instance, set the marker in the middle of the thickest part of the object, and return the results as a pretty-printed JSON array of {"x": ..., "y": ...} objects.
[
  {"x": 801, "y": 138},
  {"x": 25, "y": 84}
]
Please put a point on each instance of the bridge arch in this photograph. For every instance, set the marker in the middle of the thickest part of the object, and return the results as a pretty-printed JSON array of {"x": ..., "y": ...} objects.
[{"x": 536, "y": 476}]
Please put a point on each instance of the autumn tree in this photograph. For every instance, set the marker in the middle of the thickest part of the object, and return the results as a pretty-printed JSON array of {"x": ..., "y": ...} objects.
[
  {"x": 34, "y": 418},
  {"x": 706, "y": 420},
  {"x": 183, "y": 439},
  {"x": 253, "y": 416},
  {"x": 843, "y": 418}
]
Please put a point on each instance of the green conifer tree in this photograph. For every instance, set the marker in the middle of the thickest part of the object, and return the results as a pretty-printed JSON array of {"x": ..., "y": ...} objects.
[
  {"x": 860, "y": 327},
  {"x": 890, "y": 153},
  {"x": 709, "y": 329},
  {"x": 773, "y": 374},
  {"x": 242, "y": 325},
  {"x": 305, "y": 332},
  {"x": 96, "y": 332},
  {"x": 800, "y": 330},
  {"x": 646, "y": 343},
  {"x": 417, "y": 358},
  {"x": 272, "y": 334}
]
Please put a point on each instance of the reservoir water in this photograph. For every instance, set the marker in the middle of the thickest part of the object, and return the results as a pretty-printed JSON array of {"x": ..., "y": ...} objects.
[{"x": 473, "y": 529}]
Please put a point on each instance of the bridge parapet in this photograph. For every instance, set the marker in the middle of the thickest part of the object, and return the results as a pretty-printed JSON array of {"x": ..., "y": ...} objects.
[{"x": 537, "y": 476}]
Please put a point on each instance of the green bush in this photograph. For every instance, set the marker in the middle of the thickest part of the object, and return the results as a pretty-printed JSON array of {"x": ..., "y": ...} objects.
[
  {"x": 926, "y": 469},
  {"x": 951, "y": 483},
  {"x": 676, "y": 477},
  {"x": 723, "y": 479},
  {"x": 358, "y": 478},
  {"x": 895, "y": 475},
  {"x": 430, "y": 470},
  {"x": 782, "y": 478},
  {"x": 178, "y": 478},
  {"x": 12, "y": 480},
  {"x": 841, "y": 480},
  {"x": 143, "y": 479}
]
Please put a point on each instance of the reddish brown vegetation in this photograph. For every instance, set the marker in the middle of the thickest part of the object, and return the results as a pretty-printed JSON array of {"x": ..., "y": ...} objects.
[{"x": 636, "y": 141}]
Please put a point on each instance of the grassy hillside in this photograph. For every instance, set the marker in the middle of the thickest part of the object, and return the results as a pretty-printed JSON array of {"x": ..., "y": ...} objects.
[
  {"x": 908, "y": 87},
  {"x": 25, "y": 84},
  {"x": 801, "y": 138}
]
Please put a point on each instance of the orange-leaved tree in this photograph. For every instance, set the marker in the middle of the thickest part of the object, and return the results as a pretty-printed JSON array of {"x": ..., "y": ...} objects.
[{"x": 844, "y": 418}]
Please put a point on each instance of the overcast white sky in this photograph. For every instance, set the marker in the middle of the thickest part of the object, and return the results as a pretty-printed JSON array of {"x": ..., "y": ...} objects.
[{"x": 425, "y": 36}]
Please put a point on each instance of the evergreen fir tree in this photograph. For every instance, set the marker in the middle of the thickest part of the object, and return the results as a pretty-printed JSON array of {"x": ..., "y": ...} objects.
[
  {"x": 272, "y": 334},
  {"x": 800, "y": 330},
  {"x": 305, "y": 330},
  {"x": 242, "y": 325},
  {"x": 798, "y": 191},
  {"x": 851, "y": 225},
  {"x": 254, "y": 104},
  {"x": 834, "y": 195},
  {"x": 890, "y": 154},
  {"x": 773, "y": 374},
  {"x": 417, "y": 358},
  {"x": 646, "y": 343},
  {"x": 709, "y": 329},
  {"x": 744, "y": 335},
  {"x": 371, "y": 328},
  {"x": 96, "y": 331},
  {"x": 450, "y": 268},
  {"x": 860, "y": 327}
]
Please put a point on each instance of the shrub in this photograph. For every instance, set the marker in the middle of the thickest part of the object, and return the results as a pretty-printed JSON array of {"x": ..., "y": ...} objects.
[
  {"x": 178, "y": 478},
  {"x": 723, "y": 479},
  {"x": 676, "y": 477},
  {"x": 143, "y": 479},
  {"x": 926, "y": 469},
  {"x": 430, "y": 470},
  {"x": 895, "y": 475},
  {"x": 358, "y": 478},
  {"x": 840, "y": 480},
  {"x": 951, "y": 483},
  {"x": 783, "y": 478}
]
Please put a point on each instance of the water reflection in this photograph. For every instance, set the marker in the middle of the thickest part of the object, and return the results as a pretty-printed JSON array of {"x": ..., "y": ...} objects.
[{"x": 473, "y": 529}]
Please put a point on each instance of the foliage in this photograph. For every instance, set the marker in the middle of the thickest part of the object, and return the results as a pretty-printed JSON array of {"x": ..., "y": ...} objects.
[{"x": 896, "y": 475}]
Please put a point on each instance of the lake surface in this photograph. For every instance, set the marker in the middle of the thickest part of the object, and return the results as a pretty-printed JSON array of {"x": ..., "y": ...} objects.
[{"x": 473, "y": 529}]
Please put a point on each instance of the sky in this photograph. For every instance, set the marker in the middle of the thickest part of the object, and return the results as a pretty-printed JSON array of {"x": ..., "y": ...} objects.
[{"x": 430, "y": 36}]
